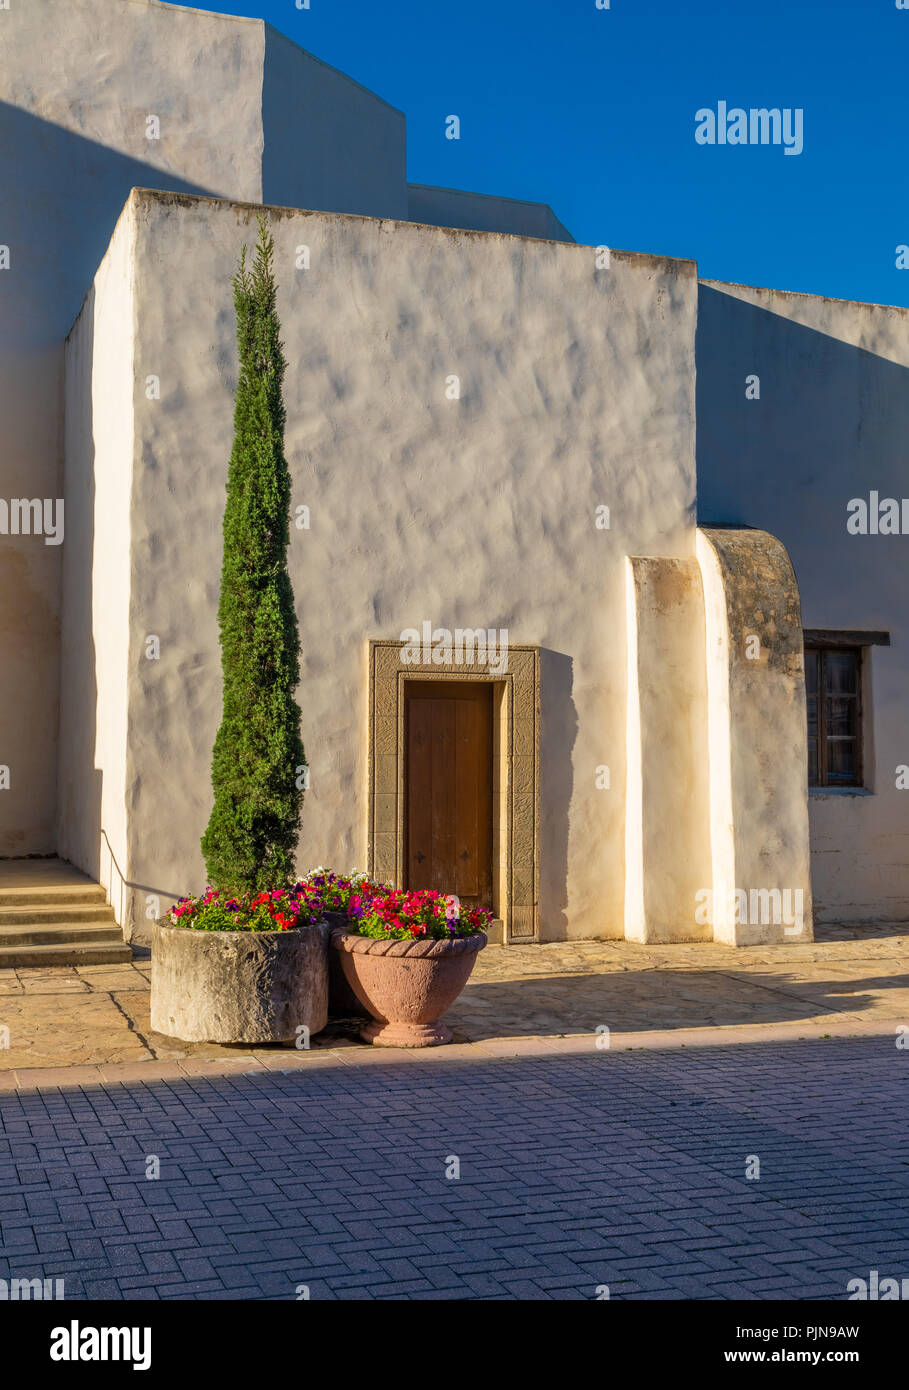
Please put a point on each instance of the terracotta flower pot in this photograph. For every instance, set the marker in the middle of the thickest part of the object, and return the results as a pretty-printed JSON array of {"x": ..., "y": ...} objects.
[{"x": 406, "y": 985}]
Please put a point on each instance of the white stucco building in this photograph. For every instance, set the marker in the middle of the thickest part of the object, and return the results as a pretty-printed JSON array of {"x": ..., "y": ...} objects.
[{"x": 489, "y": 428}]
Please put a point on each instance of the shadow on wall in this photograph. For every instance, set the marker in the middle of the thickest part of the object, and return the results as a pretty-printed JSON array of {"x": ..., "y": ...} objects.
[
  {"x": 336, "y": 146},
  {"x": 62, "y": 196},
  {"x": 831, "y": 423},
  {"x": 558, "y": 733},
  {"x": 79, "y": 781}
]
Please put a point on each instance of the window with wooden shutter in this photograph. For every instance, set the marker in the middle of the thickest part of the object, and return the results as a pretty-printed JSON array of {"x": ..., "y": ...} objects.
[{"x": 833, "y": 687}]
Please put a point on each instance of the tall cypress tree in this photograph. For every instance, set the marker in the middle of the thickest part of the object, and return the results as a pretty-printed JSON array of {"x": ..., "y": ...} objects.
[{"x": 255, "y": 821}]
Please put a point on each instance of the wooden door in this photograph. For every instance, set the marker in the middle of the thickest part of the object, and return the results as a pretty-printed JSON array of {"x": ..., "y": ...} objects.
[{"x": 448, "y": 788}]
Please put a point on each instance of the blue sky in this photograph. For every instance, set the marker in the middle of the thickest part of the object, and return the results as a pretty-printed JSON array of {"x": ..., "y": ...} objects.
[{"x": 593, "y": 111}]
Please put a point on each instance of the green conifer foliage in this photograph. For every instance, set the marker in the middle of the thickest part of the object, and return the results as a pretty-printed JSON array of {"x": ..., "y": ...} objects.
[{"x": 255, "y": 821}]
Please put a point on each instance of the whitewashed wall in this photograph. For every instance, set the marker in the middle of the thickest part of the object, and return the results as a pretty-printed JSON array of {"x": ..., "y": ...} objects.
[
  {"x": 77, "y": 81},
  {"x": 576, "y": 392},
  {"x": 832, "y": 423},
  {"x": 239, "y": 110}
]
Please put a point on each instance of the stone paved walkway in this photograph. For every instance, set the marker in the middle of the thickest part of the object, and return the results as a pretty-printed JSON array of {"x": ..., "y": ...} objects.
[
  {"x": 519, "y": 999},
  {"x": 623, "y": 1169}
]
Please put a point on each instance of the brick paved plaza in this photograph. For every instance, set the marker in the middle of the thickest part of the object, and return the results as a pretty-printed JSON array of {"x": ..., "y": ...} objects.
[{"x": 577, "y": 1170}]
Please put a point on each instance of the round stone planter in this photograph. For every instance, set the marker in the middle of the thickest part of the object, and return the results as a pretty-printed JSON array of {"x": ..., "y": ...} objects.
[
  {"x": 239, "y": 986},
  {"x": 406, "y": 985}
]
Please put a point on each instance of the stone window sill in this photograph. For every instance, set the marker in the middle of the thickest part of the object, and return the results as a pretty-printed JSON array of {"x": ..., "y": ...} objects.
[{"x": 839, "y": 791}]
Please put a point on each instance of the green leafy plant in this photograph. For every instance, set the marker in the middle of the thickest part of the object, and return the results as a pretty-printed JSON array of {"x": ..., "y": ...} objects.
[{"x": 255, "y": 821}]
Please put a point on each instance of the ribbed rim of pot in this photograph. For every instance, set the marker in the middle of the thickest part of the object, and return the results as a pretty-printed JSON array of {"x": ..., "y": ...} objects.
[{"x": 368, "y": 945}]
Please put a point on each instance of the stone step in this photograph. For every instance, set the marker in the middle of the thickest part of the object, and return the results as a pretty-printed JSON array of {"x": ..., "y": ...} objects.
[
  {"x": 54, "y": 912},
  {"x": 52, "y": 933},
  {"x": 47, "y": 894},
  {"x": 86, "y": 953}
]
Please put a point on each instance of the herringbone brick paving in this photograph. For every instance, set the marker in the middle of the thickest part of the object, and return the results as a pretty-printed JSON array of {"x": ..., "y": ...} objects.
[{"x": 623, "y": 1169}]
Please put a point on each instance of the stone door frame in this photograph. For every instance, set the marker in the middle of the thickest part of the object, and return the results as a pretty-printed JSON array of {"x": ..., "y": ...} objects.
[{"x": 516, "y": 776}]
